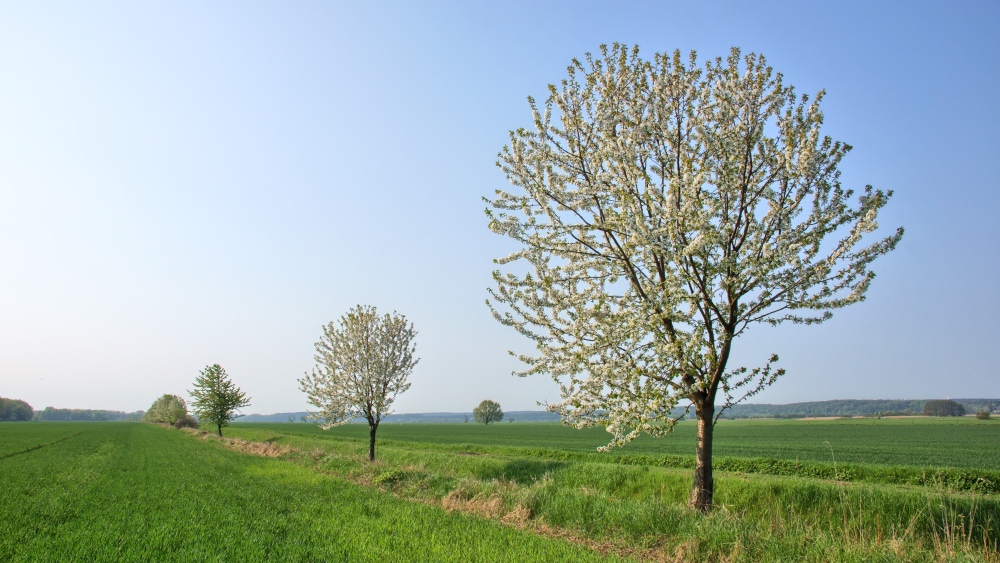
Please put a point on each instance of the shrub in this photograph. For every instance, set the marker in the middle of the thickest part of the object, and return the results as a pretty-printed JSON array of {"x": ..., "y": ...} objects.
[
  {"x": 983, "y": 415},
  {"x": 186, "y": 421},
  {"x": 390, "y": 477}
]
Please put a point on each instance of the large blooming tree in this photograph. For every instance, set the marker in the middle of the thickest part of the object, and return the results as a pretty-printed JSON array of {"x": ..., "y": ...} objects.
[
  {"x": 661, "y": 209},
  {"x": 362, "y": 362}
]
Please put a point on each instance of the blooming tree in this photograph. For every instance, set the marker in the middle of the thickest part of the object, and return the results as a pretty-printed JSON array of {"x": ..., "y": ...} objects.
[
  {"x": 216, "y": 397},
  {"x": 662, "y": 208},
  {"x": 362, "y": 362},
  {"x": 168, "y": 409}
]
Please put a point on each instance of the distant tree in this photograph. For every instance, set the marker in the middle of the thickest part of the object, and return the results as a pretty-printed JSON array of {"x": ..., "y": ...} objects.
[
  {"x": 216, "y": 398},
  {"x": 362, "y": 362},
  {"x": 291, "y": 418},
  {"x": 983, "y": 415},
  {"x": 22, "y": 411},
  {"x": 943, "y": 407},
  {"x": 663, "y": 207},
  {"x": 168, "y": 409},
  {"x": 15, "y": 410},
  {"x": 465, "y": 418},
  {"x": 488, "y": 411}
]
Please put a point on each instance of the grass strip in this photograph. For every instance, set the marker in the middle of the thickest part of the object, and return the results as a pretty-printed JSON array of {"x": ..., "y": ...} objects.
[
  {"x": 759, "y": 517},
  {"x": 946, "y": 479}
]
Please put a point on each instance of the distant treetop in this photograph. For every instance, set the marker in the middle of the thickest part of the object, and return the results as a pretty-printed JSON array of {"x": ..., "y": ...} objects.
[
  {"x": 488, "y": 411},
  {"x": 943, "y": 407}
]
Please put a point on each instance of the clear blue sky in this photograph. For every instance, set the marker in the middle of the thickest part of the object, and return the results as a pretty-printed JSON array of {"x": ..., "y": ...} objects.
[{"x": 191, "y": 183}]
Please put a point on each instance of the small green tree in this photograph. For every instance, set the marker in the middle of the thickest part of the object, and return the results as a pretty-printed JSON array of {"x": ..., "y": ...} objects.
[
  {"x": 216, "y": 398},
  {"x": 488, "y": 411}
]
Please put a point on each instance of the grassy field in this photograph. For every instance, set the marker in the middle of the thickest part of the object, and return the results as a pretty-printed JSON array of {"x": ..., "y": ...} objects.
[
  {"x": 137, "y": 492},
  {"x": 939, "y": 442},
  {"x": 630, "y": 499},
  {"x": 506, "y": 492}
]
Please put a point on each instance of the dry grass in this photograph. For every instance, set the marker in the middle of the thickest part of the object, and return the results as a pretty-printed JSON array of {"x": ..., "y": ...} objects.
[
  {"x": 655, "y": 554},
  {"x": 263, "y": 449},
  {"x": 492, "y": 507},
  {"x": 489, "y": 507}
]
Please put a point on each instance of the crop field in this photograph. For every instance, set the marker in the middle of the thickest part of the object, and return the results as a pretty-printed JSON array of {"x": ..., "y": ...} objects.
[
  {"x": 505, "y": 492},
  {"x": 943, "y": 442},
  {"x": 138, "y": 492}
]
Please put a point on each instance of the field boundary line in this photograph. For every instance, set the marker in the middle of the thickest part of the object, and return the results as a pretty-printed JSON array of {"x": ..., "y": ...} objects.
[{"x": 40, "y": 446}]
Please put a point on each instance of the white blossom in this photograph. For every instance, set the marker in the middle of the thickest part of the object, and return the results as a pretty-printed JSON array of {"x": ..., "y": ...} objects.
[
  {"x": 663, "y": 208},
  {"x": 362, "y": 362}
]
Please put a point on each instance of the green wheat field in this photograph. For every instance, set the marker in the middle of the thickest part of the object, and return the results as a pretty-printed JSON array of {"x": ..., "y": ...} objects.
[{"x": 831, "y": 490}]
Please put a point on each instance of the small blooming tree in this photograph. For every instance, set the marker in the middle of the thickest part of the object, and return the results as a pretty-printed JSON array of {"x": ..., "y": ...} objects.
[
  {"x": 663, "y": 208},
  {"x": 362, "y": 363},
  {"x": 168, "y": 409}
]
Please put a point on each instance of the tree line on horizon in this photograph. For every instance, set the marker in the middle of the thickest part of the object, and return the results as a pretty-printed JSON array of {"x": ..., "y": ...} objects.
[
  {"x": 856, "y": 407},
  {"x": 831, "y": 408}
]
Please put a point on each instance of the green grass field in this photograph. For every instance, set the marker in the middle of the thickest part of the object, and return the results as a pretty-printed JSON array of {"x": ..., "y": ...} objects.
[
  {"x": 941, "y": 442},
  {"x": 636, "y": 496},
  {"x": 506, "y": 492},
  {"x": 137, "y": 492}
]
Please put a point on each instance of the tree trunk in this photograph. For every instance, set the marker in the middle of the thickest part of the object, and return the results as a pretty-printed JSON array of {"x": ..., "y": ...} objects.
[
  {"x": 371, "y": 441},
  {"x": 704, "y": 485},
  {"x": 220, "y": 430}
]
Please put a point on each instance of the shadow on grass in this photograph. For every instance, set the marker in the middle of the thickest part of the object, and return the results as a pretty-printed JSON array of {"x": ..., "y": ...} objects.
[{"x": 521, "y": 471}]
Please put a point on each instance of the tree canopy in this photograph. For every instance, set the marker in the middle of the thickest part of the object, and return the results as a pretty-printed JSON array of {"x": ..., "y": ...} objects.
[
  {"x": 216, "y": 397},
  {"x": 15, "y": 409},
  {"x": 661, "y": 209},
  {"x": 168, "y": 409},
  {"x": 363, "y": 361},
  {"x": 488, "y": 411},
  {"x": 943, "y": 407}
]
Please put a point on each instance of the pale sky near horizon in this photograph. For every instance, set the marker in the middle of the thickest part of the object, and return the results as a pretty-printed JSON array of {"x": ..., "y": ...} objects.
[{"x": 191, "y": 183}]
